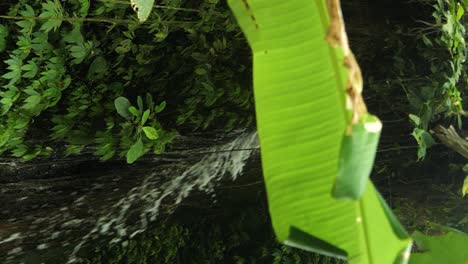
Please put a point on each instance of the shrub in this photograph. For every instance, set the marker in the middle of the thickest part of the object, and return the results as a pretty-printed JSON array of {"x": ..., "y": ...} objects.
[{"x": 66, "y": 62}]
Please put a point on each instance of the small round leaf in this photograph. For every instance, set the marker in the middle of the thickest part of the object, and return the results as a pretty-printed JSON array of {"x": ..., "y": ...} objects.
[
  {"x": 121, "y": 105},
  {"x": 151, "y": 132}
]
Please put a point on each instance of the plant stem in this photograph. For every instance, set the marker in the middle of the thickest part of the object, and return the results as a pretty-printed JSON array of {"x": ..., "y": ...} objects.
[
  {"x": 94, "y": 20},
  {"x": 69, "y": 19},
  {"x": 154, "y": 6}
]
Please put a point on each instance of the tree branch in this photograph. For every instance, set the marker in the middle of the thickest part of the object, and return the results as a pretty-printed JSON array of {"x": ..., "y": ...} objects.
[{"x": 450, "y": 138}]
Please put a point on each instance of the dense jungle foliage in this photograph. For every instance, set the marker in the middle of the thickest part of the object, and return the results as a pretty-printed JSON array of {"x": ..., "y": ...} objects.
[
  {"x": 83, "y": 77},
  {"x": 70, "y": 66}
]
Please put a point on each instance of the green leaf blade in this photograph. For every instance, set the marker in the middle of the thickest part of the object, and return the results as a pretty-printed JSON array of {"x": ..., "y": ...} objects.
[
  {"x": 465, "y": 187},
  {"x": 159, "y": 108},
  {"x": 145, "y": 117},
  {"x": 300, "y": 140},
  {"x": 357, "y": 159},
  {"x": 151, "y": 132},
  {"x": 143, "y": 8},
  {"x": 451, "y": 247},
  {"x": 135, "y": 152},
  {"x": 122, "y": 105}
]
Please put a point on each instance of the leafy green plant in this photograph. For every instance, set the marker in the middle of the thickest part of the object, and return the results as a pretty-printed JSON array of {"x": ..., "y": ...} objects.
[
  {"x": 141, "y": 121},
  {"x": 442, "y": 45},
  {"x": 66, "y": 62}
]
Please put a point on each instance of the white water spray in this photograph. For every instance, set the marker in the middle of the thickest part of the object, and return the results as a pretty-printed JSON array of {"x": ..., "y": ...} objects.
[{"x": 220, "y": 162}]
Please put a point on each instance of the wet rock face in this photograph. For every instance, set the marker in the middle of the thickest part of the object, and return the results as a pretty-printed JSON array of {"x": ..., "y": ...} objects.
[{"x": 54, "y": 220}]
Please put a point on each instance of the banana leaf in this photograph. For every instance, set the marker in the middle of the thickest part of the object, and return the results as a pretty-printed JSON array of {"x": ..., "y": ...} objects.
[
  {"x": 451, "y": 247},
  {"x": 300, "y": 88},
  {"x": 357, "y": 158}
]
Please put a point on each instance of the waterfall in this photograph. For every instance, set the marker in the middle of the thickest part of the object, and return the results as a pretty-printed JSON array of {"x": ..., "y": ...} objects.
[
  {"x": 129, "y": 203},
  {"x": 110, "y": 208},
  {"x": 218, "y": 163}
]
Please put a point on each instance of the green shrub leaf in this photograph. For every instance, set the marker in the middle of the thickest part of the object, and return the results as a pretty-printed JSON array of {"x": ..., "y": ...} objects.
[
  {"x": 3, "y": 37},
  {"x": 140, "y": 103},
  {"x": 52, "y": 10},
  {"x": 134, "y": 111},
  {"x": 122, "y": 105},
  {"x": 32, "y": 102},
  {"x": 143, "y": 8},
  {"x": 145, "y": 117},
  {"x": 465, "y": 187},
  {"x": 135, "y": 151},
  {"x": 151, "y": 132},
  {"x": 160, "y": 107}
]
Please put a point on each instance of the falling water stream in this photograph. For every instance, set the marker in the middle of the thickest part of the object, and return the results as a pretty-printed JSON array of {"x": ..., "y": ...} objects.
[{"x": 131, "y": 212}]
